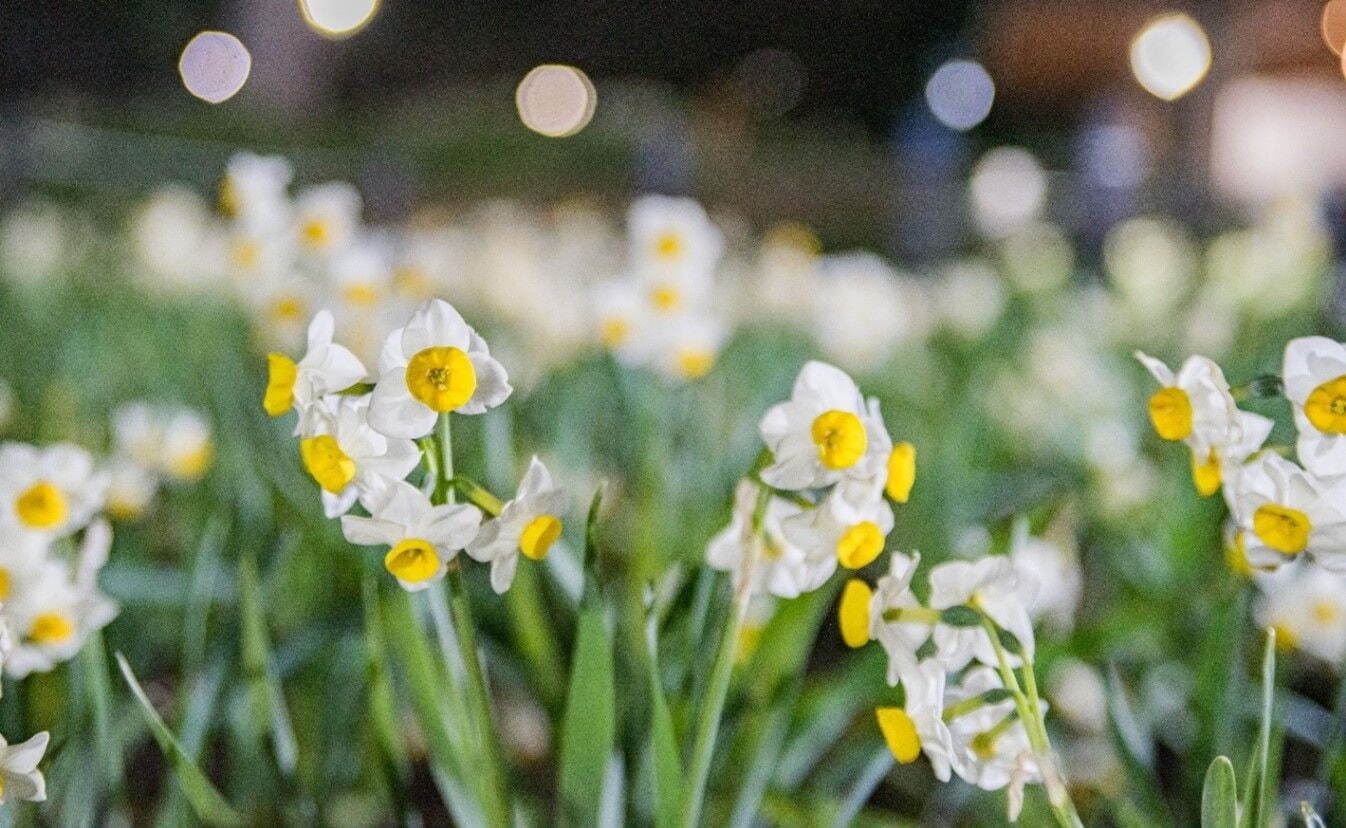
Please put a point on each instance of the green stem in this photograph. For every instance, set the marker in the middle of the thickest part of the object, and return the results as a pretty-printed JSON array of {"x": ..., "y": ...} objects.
[
  {"x": 479, "y": 698},
  {"x": 712, "y": 706}
]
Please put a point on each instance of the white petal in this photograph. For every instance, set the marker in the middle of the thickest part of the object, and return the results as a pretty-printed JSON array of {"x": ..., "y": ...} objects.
[
  {"x": 493, "y": 386},
  {"x": 363, "y": 531},
  {"x": 502, "y": 572},
  {"x": 336, "y": 505},
  {"x": 436, "y": 323},
  {"x": 321, "y": 330},
  {"x": 1161, "y": 372},
  {"x": 453, "y": 526},
  {"x": 394, "y": 412},
  {"x": 23, "y": 757}
]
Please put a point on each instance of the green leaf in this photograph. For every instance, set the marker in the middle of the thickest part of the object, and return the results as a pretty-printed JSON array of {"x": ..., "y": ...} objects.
[
  {"x": 667, "y": 762},
  {"x": 588, "y": 726},
  {"x": 207, "y": 803},
  {"x": 263, "y": 685},
  {"x": 1219, "y": 796},
  {"x": 960, "y": 616}
]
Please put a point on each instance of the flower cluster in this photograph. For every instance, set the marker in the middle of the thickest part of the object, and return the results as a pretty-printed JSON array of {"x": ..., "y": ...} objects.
[
  {"x": 154, "y": 443},
  {"x": 358, "y": 434},
  {"x": 19, "y": 777}
]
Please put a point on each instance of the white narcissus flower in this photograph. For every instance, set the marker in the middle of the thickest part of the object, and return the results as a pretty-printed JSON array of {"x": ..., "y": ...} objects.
[
  {"x": 853, "y": 534},
  {"x": 989, "y": 583},
  {"x": 918, "y": 726},
  {"x": 326, "y": 217},
  {"x": 131, "y": 487},
  {"x": 1306, "y": 604},
  {"x": 770, "y": 563},
  {"x": 325, "y": 369},
  {"x": 686, "y": 345},
  {"x": 1049, "y": 578},
  {"x": 621, "y": 320},
  {"x": 52, "y": 490},
  {"x": 56, "y": 605},
  {"x": 824, "y": 434},
  {"x": 991, "y": 745},
  {"x": 423, "y": 537},
  {"x": 1196, "y": 407},
  {"x": 1315, "y": 381},
  {"x": 674, "y": 250},
  {"x": 1285, "y": 512},
  {"x": 170, "y": 439},
  {"x": 865, "y": 309},
  {"x": 861, "y": 615},
  {"x": 19, "y": 777},
  {"x": 530, "y": 523},
  {"x": 252, "y": 192},
  {"x": 435, "y": 364},
  {"x": 347, "y": 458}
]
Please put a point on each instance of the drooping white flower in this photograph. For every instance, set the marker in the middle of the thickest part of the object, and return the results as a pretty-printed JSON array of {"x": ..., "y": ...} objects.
[
  {"x": 326, "y": 217},
  {"x": 770, "y": 562},
  {"x": 824, "y": 433},
  {"x": 1315, "y": 381},
  {"x": 1285, "y": 512},
  {"x": 56, "y": 605},
  {"x": 1306, "y": 604},
  {"x": 991, "y": 744},
  {"x": 529, "y": 523},
  {"x": 52, "y": 490},
  {"x": 918, "y": 726},
  {"x": 325, "y": 369},
  {"x": 172, "y": 440},
  {"x": 435, "y": 364},
  {"x": 423, "y": 537},
  {"x": 346, "y": 457},
  {"x": 19, "y": 777},
  {"x": 990, "y": 584}
]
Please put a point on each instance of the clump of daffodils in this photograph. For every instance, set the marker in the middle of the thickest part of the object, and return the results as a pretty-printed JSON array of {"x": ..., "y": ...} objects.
[
  {"x": 819, "y": 499},
  {"x": 378, "y": 441}
]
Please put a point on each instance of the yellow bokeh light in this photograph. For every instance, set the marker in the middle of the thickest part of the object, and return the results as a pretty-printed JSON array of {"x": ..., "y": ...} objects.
[
  {"x": 1170, "y": 55},
  {"x": 556, "y": 101},
  {"x": 337, "y": 18},
  {"x": 214, "y": 66}
]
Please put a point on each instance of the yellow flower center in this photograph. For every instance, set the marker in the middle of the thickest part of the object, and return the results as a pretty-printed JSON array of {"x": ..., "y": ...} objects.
[
  {"x": 1326, "y": 406},
  {"x": 899, "y": 731},
  {"x": 41, "y": 506},
  {"x": 853, "y": 612},
  {"x": 538, "y": 536},
  {"x": 860, "y": 545},
  {"x": 694, "y": 363},
  {"x": 287, "y": 308},
  {"x": 246, "y": 255},
  {"x": 412, "y": 560},
  {"x": 51, "y": 628},
  {"x": 441, "y": 377},
  {"x": 327, "y": 463},
  {"x": 412, "y": 281},
  {"x": 1325, "y": 612},
  {"x": 666, "y": 298},
  {"x": 189, "y": 465},
  {"x": 1284, "y": 529},
  {"x": 315, "y": 233},
  {"x": 1236, "y": 555},
  {"x": 1206, "y": 475},
  {"x": 614, "y": 331},
  {"x": 361, "y": 294},
  {"x": 1171, "y": 413},
  {"x": 840, "y": 438},
  {"x": 4, "y": 584},
  {"x": 901, "y": 472},
  {"x": 668, "y": 246},
  {"x": 281, "y": 374}
]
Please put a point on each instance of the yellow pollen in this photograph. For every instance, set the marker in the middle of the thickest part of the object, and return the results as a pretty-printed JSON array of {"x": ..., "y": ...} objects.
[
  {"x": 840, "y": 437},
  {"x": 1326, "y": 406},
  {"x": 694, "y": 363},
  {"x": 1284, "y": 529},
  {"x": 1206, "y": 475},
  {"x": 246, "y": 255},
  {"x": 668, "y": 246},
  {"x": 287, "y": 308},
  {"x": 1171, "y": 413},
  {"x": 189, "y": 465},
  {"x": 4, "y": 584},
  {"x": 853, "y": 613},
  {"x": 666, "y": 298},
  {"x": 1325, "y": 612},
  {"x": 538, "y": 536},
  {"x": 412, "y": 560},
  {"x": 327, "y": 463},
  {"x": 441, "y": 377},
  {"x": 860, "y": 545},
  {"x": 613, "y": 332},
  {"x": 51, "y": 628},
  {"x": 315, "y": 233},
  {"x": 901, "y": 472},
  {"x": 361, "y": 294},
  {"x": 281, "y": 375},
  {"x": 899, "y": 731},
  {"x": 41, "y": 506}
]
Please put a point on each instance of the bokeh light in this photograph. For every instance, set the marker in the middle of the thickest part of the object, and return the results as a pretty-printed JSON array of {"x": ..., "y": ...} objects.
[
  {"x": 337, "y": 18},
  {"x": 960, "y": 94},
  {"x": 1170, "y": 55},
  {"x": 556, "y": 101},
  {"x": 214, "y": 66},
  {"x": 1008, "y": 190},
  {"x": 1334, "y": 25}
]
